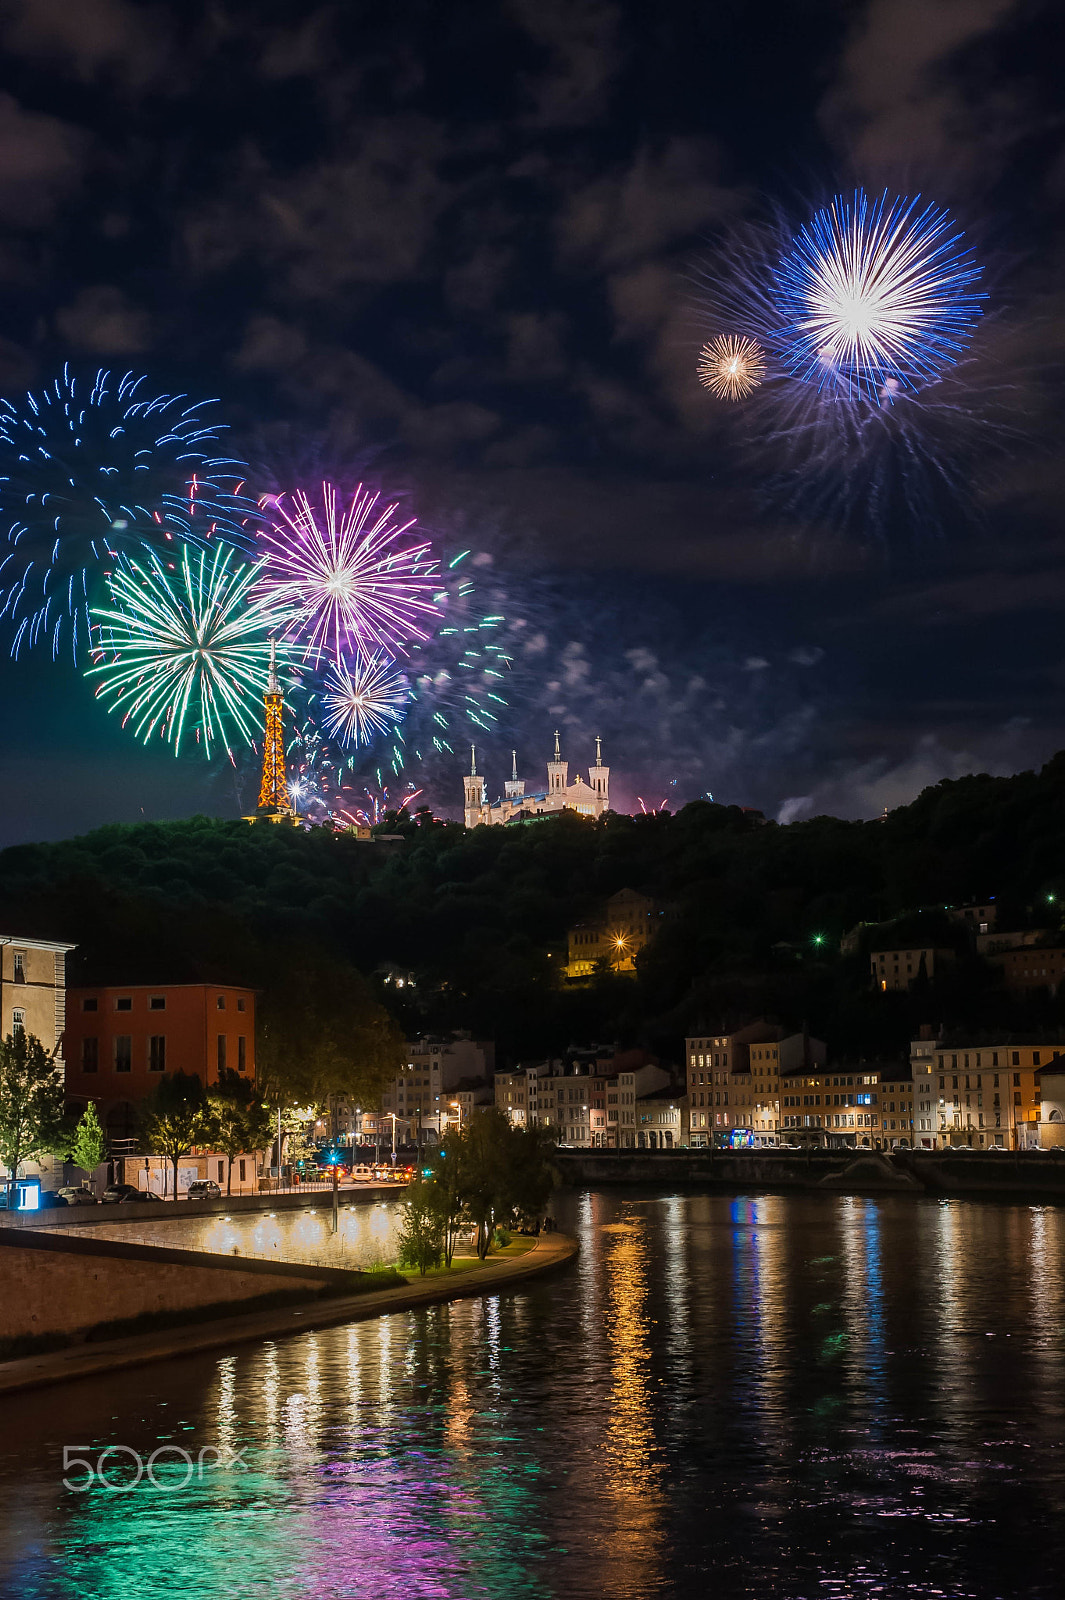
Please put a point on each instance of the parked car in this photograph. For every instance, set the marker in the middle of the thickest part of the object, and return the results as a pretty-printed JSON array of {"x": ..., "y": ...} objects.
[
  {"x": 51, "y": 1200},
  {"x": 120, "y": 1193},
  {"x": 78, "y": 1195},
  {"x": 204, "y": 1189}
]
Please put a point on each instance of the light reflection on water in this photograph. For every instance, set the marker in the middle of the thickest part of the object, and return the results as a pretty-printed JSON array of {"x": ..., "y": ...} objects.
[{"x": 769, "y": 1395}]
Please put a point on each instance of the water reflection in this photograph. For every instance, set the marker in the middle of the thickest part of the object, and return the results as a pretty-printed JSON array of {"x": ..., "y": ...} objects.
[{"x": 776, "y": 1395}]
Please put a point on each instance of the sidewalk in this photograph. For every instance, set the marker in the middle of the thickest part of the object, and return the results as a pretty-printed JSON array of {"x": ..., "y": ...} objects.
[{"x": 87, "y": 1360}]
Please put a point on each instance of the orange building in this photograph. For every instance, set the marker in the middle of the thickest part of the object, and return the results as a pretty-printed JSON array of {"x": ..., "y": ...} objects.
[{"x": 121, "y": 1040}]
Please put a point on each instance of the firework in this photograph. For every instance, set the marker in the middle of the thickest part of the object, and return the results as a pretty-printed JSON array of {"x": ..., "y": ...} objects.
[
  {"x": 732, "y": 367},
  {"x": 373, "y": 804},
  {"x": 363, "y": 699},
  {"x": 89, "y": 469},
  {"x": 343, "y": 574},
  {"x": 874, "y": 296},
  {"x": 186, "y": 649}
]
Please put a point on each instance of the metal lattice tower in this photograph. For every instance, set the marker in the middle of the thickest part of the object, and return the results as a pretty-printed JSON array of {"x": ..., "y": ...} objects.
[{"x": 273, "y": 791}]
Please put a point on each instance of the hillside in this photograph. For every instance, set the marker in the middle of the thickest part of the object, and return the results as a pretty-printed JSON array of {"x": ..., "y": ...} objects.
[{"x": 755, "y": 912}]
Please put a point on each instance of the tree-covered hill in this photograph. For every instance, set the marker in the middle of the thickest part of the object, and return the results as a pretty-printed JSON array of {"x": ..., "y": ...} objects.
[{"x": 752, "y": 913}]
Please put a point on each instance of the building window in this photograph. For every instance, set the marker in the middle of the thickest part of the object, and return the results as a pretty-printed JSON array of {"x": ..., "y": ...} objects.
[
  {"x": 242, "y": 1053},
  {"x": 123, "y": 1052},
  {"x": 90, "y": 1055},
  {"x": 221, "y": 1052},
  {"x": 221, "y": 1002},
  {"x": 157, "y": 1053},
  {"x": 20, "y": 966},
  {"x": 89, "y": 1005},
  {"x": 240, "y": 1005},
  {"x": 242, "y": 1169},
  {"x": 18, "y": 1020},
  {"x": 124, "y": 1003},
  {"x": 221, "y": 1170},
  {"x": 157, "y": 1002}
]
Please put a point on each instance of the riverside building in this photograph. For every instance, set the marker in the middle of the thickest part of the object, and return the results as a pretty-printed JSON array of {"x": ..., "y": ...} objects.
[
  {"x": 33, "y": 999},
  {"x": 733, "y": 1087},
  {"x": 121, "y": 1039}
]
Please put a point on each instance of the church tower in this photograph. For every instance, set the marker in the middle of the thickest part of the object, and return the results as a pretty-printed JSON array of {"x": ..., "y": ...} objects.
[
  {"x": 557, "y": 772},
  {"x": 476, "y": 794},
  {"x": 514, "y": 786},
  {"x": 599, "y": 779}
]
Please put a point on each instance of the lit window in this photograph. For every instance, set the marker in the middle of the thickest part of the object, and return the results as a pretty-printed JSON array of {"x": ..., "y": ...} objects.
[{"x": 18, "y": 1020}]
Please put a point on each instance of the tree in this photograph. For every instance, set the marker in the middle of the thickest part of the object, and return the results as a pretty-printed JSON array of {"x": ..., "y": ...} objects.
[
  {"x": 445, "y": 1185},
  {"x": 486, "y": 1174},
  {"x": 174, "y": 1117},
  {"x": 530, "y": 1173},
  {"x": 89, "y": 1145},
  {"x": 421, "y": 1234},
  {"x": 31, "y": 1101},
  {"x": 240, "y": 1122},
  {"x": 321, "y": 1033}
]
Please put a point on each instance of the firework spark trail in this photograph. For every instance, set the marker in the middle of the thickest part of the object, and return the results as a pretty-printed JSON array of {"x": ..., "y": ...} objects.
[
  {"x": 89, "y": 469},
  {"x": 732, "y": 366},
  {"x": 341, "y": 575},
  {"x": 876, "y": 294},
  {"x": 870, "y": 422},
  {"x": 186, "y": 648},
  {"x": 363, "y": 698}
]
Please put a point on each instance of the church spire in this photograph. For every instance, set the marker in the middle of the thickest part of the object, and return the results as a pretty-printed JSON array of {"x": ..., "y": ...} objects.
[
  {"x": 473, "y": 761},
  {"x": 557, "y": 771},
  {"x": 598, "y": 751},
  {"x": 514, "y": 766}
]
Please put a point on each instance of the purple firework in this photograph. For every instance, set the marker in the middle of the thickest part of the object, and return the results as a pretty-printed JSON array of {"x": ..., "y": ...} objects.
[{"x": 343, "y": 574}]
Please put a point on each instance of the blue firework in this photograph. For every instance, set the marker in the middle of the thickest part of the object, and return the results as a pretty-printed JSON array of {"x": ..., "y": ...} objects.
[
  {"x": 90, "y": 469},
  {"x": 875, "y": 295}
]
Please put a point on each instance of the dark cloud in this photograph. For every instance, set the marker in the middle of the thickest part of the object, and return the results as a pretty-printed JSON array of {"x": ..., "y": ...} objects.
[
  {"x": 41, "y": 162},
  {"x": 104, "y": 321},
  {"x": 900, "y": 102},
  {"x": 91, "y": 39},
  {"x": 581, "y": 42}
]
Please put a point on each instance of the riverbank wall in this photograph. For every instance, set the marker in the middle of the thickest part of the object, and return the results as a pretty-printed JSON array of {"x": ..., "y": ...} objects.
[
  {"x": 62, "y": 1286},
  {"x": 493, "y": 1276},
  {"x": 1031, "y": 1174}
]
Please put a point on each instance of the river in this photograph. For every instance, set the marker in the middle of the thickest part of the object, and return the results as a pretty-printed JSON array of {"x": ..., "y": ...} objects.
[{"x": 776, "y": 1395}]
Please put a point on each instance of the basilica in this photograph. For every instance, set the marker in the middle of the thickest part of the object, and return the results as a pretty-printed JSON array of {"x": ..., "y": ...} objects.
[{"x": 590, "y": 799}]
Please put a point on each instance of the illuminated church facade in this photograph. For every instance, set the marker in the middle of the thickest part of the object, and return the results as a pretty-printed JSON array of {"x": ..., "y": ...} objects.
[{"x": 589, "y": 799}]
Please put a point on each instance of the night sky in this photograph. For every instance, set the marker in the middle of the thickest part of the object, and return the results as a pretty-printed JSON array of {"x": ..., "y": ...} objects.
[{"x": 458, "y": 247}]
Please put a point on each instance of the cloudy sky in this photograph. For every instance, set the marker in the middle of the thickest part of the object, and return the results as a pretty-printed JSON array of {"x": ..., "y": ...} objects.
[{"x": 465, "y": 243}]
